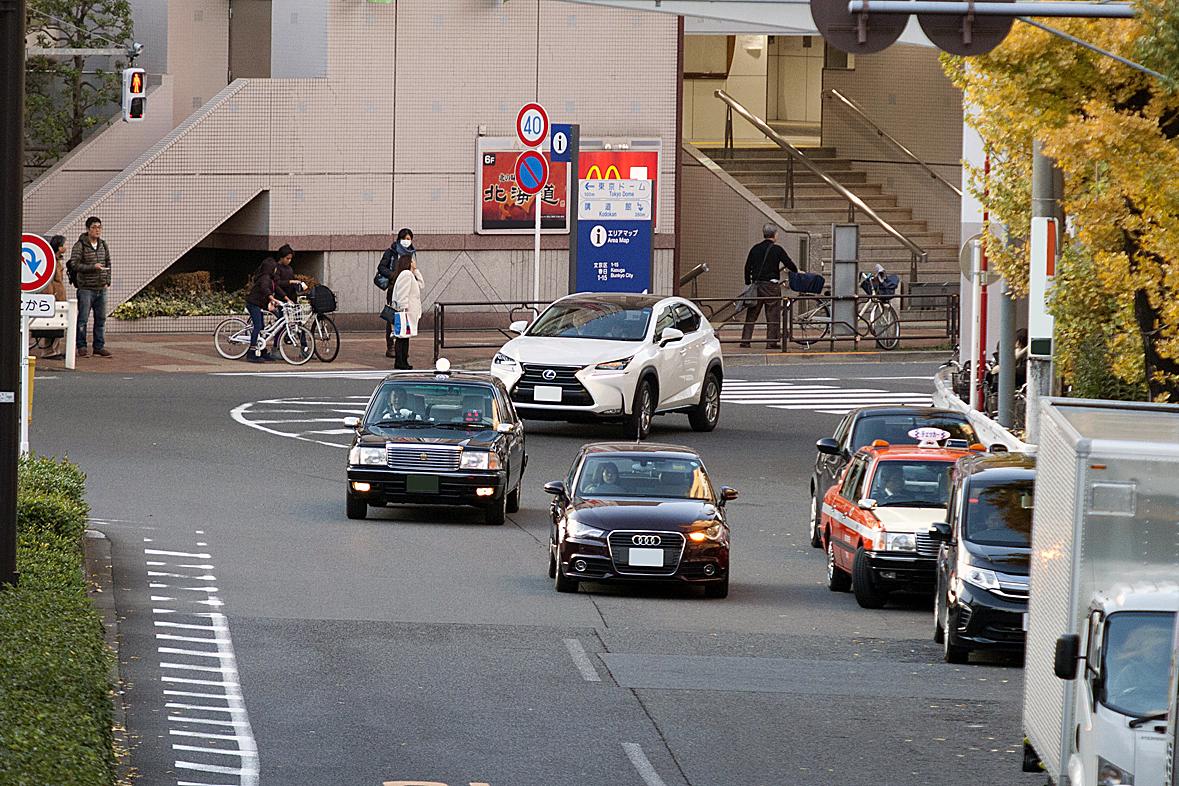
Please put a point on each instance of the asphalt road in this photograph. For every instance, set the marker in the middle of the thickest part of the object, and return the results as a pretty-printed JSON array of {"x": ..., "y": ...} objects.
[{"x": 423, "y": 646}]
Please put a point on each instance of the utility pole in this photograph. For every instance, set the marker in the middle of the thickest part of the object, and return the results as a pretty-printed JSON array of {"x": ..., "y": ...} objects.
[
  {"x": 1006, "y": 357},
  {"x": 1047, "y": 188},
  {"x": 12, "y": 88}
]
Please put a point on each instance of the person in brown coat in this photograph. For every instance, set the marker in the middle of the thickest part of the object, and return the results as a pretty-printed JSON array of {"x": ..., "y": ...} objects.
[{"x": 53, "y": 350}]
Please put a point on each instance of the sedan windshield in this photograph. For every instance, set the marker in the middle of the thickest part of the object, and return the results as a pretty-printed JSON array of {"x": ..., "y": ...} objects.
[
  {"x": 406, "y": 404},
  {"x": 592, "y": 319},
  {"x": 1000, "y": 514},
  {"x": 912, "y": 484},
  {"x": 894, "y": 428},
  {"x": 643, "y": 476},
  {"x": 1138, "y": 661}
]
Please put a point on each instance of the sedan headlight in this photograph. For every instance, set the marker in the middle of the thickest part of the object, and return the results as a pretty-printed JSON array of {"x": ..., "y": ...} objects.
[
  {"x": 367, "y": 456},
  {"x": 503, "y": 362},
  {"x": 981, "y": 577},
  {"x": 614, "y": 365},
  {"x": 714, "y": 533},
  {"x": 899, "y": 541},
  {"x": 575, "y": 529},
  {"x": 1110, "y": 774},
  {"x": 479, "y": 459}
]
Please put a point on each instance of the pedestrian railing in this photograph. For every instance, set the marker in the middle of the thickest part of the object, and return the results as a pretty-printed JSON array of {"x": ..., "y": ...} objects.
[{"x": 804, "y": 323}]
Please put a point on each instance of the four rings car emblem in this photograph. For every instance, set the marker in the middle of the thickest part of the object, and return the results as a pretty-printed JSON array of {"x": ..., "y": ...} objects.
[
  {"x": 646, "y": 540},
  {"x": 549, "y": 375}
]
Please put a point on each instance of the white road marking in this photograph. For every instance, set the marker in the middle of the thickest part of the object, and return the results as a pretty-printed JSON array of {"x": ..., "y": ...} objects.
[
  {"x": 828, "y": 399},
  {"x": 187, "y": 667},
  {"x": 173, "y": 705},
  {"x": 373, "y": 374},
  {"x": 182, "y": 625},
  {"x": 582, "y": 661},
  {"x": 198, "y": 749},
  {"x": 158, "y": 553},
  {"x": 188, "y": 765},
  {"x": 203, "y": 640},
  {"x": 204, "y": 735},
  {"x": 208, "y": 721},
  {"x": 646, "y": 770}
]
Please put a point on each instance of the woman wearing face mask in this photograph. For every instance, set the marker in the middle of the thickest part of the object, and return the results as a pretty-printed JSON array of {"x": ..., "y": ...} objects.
[
  {"x": 387, "y": 269},
  {"x": 406, "y": 292}
]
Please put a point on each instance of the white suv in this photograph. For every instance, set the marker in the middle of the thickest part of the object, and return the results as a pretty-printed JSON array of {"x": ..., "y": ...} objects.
[{"x": 615, "y": 357}]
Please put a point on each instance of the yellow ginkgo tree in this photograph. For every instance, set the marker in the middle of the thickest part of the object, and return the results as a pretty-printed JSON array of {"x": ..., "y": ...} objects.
[{"x": 1114, "y": 132}]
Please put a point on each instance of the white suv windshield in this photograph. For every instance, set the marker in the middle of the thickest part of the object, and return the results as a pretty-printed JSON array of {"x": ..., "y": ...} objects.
[{"x": 592, "y": 319}]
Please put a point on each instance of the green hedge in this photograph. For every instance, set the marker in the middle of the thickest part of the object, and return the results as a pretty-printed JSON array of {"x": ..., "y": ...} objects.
[{"x": 55, "y": 693}]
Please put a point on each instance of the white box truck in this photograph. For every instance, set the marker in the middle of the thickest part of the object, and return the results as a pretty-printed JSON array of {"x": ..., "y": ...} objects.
[{"x": 1101, "y": 635}]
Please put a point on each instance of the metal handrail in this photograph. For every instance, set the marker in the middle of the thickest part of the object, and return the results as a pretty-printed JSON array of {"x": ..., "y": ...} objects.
[
  {"x": 859, "y": 112},
  {"x": 854, "y": 202}
]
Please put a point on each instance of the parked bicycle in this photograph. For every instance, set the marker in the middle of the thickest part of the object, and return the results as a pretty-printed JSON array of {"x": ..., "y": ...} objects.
[
  {"x": 876, "y": 317},
  {"x": 296, "y": 343},
  {"x": 327, "y": 336}
]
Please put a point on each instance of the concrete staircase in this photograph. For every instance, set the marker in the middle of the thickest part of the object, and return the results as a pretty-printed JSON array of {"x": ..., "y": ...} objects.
[{"x": 817, "y": 206}]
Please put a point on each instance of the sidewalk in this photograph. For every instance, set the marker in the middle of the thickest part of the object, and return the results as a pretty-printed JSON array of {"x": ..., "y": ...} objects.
[{"x": 155, "y": 353}]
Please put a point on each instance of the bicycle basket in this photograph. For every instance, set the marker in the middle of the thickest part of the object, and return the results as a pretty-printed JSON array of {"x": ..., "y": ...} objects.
[
  {"x": 296, "y": 313},
  {"x": 886, "y": 288},
  {"x": 323, "y": 300}
]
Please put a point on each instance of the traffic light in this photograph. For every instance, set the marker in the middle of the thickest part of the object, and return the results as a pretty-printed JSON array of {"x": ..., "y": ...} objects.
[{"x": 134, "y": 94}]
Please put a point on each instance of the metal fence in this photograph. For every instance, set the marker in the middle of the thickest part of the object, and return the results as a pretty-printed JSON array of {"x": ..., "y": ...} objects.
[{"x": 805, "y": 323}]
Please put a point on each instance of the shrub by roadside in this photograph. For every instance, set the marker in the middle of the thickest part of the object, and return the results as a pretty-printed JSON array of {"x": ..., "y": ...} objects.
[
  {"x": 55, "y": 693},
  {"x": 193, "y": 294}
]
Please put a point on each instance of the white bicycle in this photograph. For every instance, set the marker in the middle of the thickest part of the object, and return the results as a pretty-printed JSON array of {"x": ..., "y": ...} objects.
[{"x": 295, "y": 342}]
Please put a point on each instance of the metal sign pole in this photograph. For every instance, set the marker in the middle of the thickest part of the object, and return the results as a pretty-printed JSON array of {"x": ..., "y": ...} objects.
[
  {"x": 12, "y": 88},
  {"x": 24, "y": 385},
  {"x": 536, "y": 200}
]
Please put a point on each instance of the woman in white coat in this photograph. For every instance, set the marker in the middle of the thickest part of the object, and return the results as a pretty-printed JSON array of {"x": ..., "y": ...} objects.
[{"x": 407, "y": 294}]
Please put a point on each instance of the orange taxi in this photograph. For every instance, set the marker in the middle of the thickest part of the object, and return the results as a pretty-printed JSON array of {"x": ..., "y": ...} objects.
[{"x": 876, "y": 519}]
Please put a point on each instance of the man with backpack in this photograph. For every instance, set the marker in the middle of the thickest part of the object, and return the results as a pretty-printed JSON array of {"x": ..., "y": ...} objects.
[
  {"x": 762, "y": 269},
  {"x": 89, "y": 269}
]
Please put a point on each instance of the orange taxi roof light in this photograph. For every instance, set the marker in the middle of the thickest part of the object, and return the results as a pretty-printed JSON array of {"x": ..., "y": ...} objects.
[
  {"x": 879, "y": 443},
  {"x": 979, "y": 447}
]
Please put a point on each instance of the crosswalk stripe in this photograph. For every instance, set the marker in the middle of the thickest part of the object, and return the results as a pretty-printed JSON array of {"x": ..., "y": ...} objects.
[{"x": 826, "y": 399}]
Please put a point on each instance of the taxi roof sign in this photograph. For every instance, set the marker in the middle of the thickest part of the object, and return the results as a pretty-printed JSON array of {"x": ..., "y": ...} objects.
[{"x": 929, "y": 437}]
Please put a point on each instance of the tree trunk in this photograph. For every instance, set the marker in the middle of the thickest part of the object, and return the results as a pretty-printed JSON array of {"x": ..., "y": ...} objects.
[{"x": 1147, "y": 317}]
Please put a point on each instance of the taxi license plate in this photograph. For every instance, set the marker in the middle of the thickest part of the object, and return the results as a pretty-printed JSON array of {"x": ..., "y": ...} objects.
[
  {"x": 645, "y": 558},
  {"x": 421, "y": 484},
  {"x": 547, "y": 393}
]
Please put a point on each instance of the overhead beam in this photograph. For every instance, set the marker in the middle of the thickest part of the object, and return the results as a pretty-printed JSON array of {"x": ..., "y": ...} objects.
[
  {"x": 64, "y": 51},
  {"x": 1062, "y": 8}
]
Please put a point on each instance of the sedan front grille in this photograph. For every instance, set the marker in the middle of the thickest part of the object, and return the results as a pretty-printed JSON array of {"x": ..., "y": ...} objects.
[
  {"x": 424, "y": 458},
  {"x": 927, "y": 546},
  {"x": 573, "y": 393},
  {"x": 670, "y": 543}
]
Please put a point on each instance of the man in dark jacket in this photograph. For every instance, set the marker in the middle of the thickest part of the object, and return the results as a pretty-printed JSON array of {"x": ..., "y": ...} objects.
[
  {"x": 90, "y": 260},
  {"x": 762, "y": 268}
]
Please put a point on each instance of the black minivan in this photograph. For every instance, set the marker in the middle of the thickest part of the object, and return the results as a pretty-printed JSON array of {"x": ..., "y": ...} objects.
[{"x": 983, "y": 564}]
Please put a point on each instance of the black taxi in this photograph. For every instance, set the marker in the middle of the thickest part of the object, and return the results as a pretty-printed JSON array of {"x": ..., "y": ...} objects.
[{"x": 437, "y": 437}]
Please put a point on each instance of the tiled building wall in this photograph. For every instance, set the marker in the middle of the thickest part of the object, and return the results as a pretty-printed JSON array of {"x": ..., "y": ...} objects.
[
  {"x": 905, "y": 92},
  {"x": 198, "y": 52},
  {"x": 388, "y": 139}
]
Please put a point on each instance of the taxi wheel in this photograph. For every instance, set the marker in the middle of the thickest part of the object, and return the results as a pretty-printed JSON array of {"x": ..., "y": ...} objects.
[
  {"x": 496, "y": 512},
  {"x": 816, "y": 538},
  {"x": 868, "y": 595},
  {"x": 513, "y": 504},
  {"x": 837, "y": 580},
  {"x": 562, "y": 582},
  {"x": 357, "y": 508}
]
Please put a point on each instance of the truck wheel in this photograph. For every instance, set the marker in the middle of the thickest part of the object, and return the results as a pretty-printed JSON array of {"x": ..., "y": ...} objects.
[
  {"x": 816, "y": 537},
  {"x": 355, "y": 507},
  {"x": 868, "y": 595},
  {"x": 951, "y": 652},
  {"x": 705, "y": 415},
  {"x": 837, "y": 580}
]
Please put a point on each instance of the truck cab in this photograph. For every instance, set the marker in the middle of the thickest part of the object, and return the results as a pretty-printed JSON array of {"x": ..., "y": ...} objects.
[{"x": 1122, "y": 661}]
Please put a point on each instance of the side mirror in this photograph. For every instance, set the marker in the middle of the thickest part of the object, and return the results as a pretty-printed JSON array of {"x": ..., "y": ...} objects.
[
  {"x": 505, "y": 428},
  {"x": 727, "y": 494},
  {"x": 555, "y": 487},
  {"x": 867, "y": 503},
  {"x": 351, "y": 421},
  {"x": 669, "y": 335},
  {"x": 940, "y": 531},
  {"x": 1068, "y": 650},
  {"x": 827, "y": 446},
  {"x": 519, "y": 326}
]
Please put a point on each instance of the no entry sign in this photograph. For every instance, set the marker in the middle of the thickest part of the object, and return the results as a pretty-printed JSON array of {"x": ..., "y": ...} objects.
[
  {"x": 532, "y": 172},
  {"x": 37, "y": 263}
]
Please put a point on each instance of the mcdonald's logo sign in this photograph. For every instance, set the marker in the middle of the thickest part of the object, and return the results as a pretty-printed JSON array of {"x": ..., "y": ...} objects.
[{"x": 595, "y": 173}]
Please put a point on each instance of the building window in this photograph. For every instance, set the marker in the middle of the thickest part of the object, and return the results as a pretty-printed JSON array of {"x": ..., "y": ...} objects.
[{"x": 838, "y": 60}]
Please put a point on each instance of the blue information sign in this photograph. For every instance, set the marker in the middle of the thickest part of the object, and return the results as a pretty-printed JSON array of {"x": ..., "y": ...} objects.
[
  {"x": 613, "y": 256},
  {"x": 560, "y": 142}
]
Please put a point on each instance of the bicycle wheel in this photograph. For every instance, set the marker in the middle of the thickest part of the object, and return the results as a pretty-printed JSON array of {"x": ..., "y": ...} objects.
[
  {"x": 884, "y": 325},
  {"x": 296, "y": 344},
  {"x": 812, "y": 326},
  {"x": 327, "y": 338},
  {"x": 231, "y": 338}
]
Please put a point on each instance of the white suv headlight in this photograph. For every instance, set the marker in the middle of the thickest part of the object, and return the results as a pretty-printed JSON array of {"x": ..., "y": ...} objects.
[
  {"x": 367, "y": 456},
  {"x": 503, "y": 362},
  {"x": 479, "y": 459},
  {"x": 614, "y": 365},
  {"x": 899, "y": 541}
]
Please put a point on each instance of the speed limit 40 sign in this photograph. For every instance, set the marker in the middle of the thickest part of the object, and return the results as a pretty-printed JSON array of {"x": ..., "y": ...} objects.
[{"x": 532, "y": 125}]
